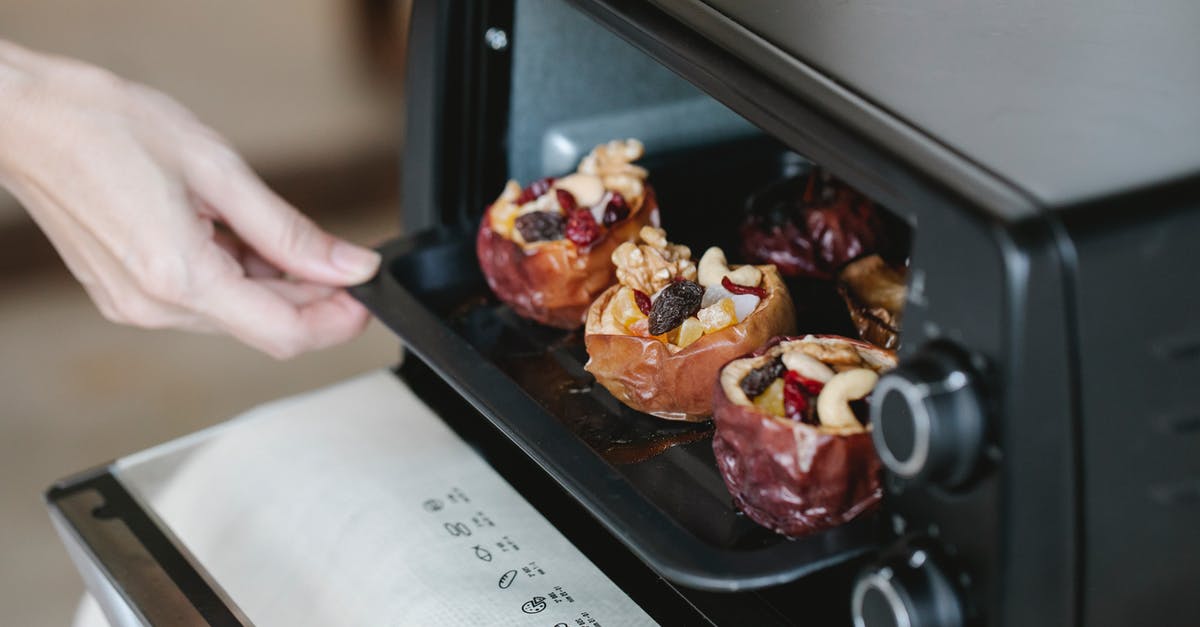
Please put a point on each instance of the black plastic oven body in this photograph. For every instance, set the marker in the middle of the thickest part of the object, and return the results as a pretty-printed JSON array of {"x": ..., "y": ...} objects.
[{"x": 1065, "y": 292}]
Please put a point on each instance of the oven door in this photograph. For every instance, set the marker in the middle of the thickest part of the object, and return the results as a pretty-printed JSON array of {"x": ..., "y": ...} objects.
[{"x": 381, "y": 500}]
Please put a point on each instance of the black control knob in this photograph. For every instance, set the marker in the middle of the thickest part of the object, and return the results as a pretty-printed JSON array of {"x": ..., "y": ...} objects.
[
  {"x": 928, "y": 419},
  {"x": 907, "y": 591}
]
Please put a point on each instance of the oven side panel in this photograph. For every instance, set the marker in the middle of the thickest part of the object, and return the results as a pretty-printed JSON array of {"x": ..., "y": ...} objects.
[{"x": 1139, "y": 346}]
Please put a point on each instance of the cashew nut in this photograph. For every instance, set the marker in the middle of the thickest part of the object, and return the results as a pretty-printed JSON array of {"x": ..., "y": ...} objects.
[
  {"x": 745, "y": 275},
  {"x": 833, "y": 403},
  {"x": 586, "y": 188},
  {"x": 807, "y": 367},
  {"x": 713, "y": 267}
]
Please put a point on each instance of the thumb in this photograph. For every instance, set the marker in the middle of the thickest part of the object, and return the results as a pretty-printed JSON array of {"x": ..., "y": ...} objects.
[{"x": 281, "y": 234}]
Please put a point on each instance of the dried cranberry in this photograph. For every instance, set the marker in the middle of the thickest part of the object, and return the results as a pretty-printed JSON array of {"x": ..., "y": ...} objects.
[
  {"x": 758, "y": 380},
  {"x": 798, "y": 393},
  {"x": 535, "y": 190},
  {"x": 581, "y": 226},
  {"x": 537, "y": 226},
  {"x": 643, "y": 301},
  {"x": 674, "y": 304},
  {"x": 742, "y": 289},
  {"x": 566, "y": 200},
  {"x": 616, "y": 210}
]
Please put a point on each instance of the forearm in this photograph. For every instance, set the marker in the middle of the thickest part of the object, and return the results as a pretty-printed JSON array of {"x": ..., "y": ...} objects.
[
  {"x": 14, "y": 79},
  {"x": 128, "y": 186}
]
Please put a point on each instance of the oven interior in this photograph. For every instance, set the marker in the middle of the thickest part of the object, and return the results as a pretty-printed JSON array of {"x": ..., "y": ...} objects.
[
  {"x": 523, "y": 91},
  {"x": 573, "y": 85}
]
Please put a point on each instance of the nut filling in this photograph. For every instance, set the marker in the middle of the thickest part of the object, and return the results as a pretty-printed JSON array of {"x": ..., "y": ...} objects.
[
  {"x": 687, "y": 300},
  {"x": 818, "y": 381},
  {"x": 606, "y": 189}
]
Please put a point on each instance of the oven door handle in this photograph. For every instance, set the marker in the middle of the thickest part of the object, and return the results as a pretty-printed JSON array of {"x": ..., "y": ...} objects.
[{"x": 135, "y": 570}]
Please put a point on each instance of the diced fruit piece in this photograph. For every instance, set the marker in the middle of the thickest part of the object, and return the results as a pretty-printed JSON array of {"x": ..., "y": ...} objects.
[
  {"x": 690, "y": 331},
  {"x": 616, "y": 210},
  {"x": 771, "y": 400},
  {"x": 581, "y": 226},
  {"x": 719, "y": 316},
  {"x": 535, "y": 189},
  {"x": 758, "y": 379},
  {"x": 744, "y": 305},
  {"x": 743, "y": 289},
  {"x": 625, "y": 309},
  {"x": 713, "y": 295},
  {"x": 537, "y": 226},
  {"x": 503, "y": 215},
  {"x": 675, "y": 303}
]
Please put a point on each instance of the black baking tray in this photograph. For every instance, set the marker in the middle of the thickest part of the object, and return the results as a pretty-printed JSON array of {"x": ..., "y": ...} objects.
[{"x": 652, "y": 483}]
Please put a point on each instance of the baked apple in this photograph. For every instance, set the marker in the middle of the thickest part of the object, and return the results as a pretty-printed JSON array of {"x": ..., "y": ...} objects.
[
  {"x": 546, "y": 249},
  {"x": 874, "y": 292},
  {"x": 657, "y": 338},
  {"x": 811, "y": 225},
  {"x": 792, "y": 439}
]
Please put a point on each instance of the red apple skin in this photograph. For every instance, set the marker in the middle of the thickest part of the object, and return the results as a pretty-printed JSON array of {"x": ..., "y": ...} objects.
[
  {"x": 555, "y": 283},
  {"x": 791, "y": 477},
  {"x": 643, "y": 373}
]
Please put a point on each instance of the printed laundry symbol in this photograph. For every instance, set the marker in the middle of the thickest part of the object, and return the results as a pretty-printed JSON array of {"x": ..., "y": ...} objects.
[
  {"x": 534, "y": 605},
  {"x": 433, "y": 505},
  {"x": 483, "y": 553},
  {"x": 507, "y": 579}
]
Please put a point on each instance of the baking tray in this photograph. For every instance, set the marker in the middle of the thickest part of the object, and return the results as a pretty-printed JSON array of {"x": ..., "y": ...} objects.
[{"x": 652, "y": 483}]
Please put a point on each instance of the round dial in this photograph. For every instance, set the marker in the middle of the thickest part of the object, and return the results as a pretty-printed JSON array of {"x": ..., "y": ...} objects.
[
  {"x": 905, "y": 591},
  {"x": 928, "y": 419}
]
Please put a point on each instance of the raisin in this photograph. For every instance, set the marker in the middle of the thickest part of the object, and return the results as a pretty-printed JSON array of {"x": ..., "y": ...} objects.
[
  {"x": 537, "y": 226},
  {"x": 535, "y": 190},
  {"x": 675, "y": 304},
  {"x": 566, "y": 200},
  {"x": 581, "y": 227},
  {"x": 643, "y": 301},
  {"x": 616, "y": 210},
  {"x": 759, "y": 379},
  {"x": 742, "y": 289}
]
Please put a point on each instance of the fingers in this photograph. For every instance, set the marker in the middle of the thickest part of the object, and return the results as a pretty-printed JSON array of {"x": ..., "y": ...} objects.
[
  {"x": 252, "y": 263},
  {"x": 275, "y": 229},
  {"x": 285, "y": 320}
]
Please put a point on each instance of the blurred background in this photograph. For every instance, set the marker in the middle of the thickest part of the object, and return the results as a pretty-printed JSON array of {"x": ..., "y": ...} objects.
[{"x": 310, "y": 91}]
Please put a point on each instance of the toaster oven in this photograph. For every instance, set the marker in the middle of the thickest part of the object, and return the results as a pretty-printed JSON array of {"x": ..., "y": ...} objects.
[{"x": 1038, "y": 437}]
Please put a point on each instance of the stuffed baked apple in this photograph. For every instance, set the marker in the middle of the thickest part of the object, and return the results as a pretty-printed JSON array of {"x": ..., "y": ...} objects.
[
  {"x": 546, "y": 249},
  {"x": 657, "y": 338},
  {"x": 874, "y": 292},
  {"x": 811, "y": 225},
  {"x": 792, "y": 439}
]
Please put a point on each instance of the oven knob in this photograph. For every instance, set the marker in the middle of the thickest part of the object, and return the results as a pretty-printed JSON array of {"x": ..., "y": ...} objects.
[
  {"x": 928, "y": 421},
  {"x": 908, "y": 591}
]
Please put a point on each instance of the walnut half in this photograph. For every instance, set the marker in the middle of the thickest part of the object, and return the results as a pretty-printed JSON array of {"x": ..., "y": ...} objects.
[
  {"x": 613, "y": 163},
  {"x": 653, "y": 263}
]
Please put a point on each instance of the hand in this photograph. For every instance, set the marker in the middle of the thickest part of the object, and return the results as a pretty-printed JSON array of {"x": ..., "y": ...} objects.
[{"x": 160, "y": 220}]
